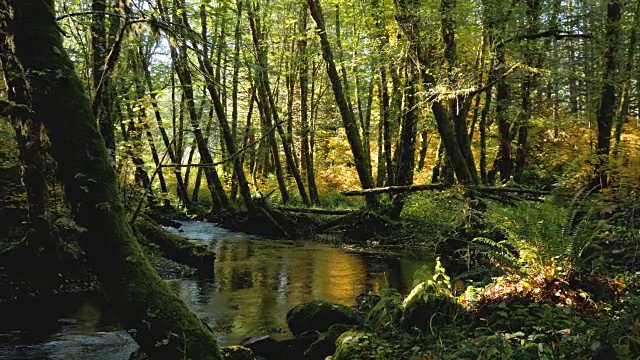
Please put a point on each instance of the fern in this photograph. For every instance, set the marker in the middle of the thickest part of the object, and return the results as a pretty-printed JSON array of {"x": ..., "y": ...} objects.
[
  {"x": 546, "y": 232},
  {"x": 498, "y": 251}
]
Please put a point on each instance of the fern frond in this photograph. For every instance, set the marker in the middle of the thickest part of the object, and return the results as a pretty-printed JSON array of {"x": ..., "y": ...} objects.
[{"x": 498, "y": 251}]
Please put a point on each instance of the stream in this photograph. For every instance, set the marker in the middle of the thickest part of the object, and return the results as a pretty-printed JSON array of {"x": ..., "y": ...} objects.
[{"x": 256, "y": 281}]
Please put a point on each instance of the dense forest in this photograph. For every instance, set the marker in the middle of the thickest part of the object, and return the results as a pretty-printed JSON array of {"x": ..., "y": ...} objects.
[{"x": 499, "y": 138}]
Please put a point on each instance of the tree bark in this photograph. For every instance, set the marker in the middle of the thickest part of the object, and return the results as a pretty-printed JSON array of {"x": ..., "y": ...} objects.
[
  {"x": 454, "y": 136},
  {"x": 625, "y": 96},
  {"x": 406, "y": 162},
  {"x": 165, "y": 328},
  {"x": 100, "y": 78},
  {"x": 527, "y": 86}
]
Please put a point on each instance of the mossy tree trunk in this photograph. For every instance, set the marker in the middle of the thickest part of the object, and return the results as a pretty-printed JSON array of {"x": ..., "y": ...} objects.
[
  {"x": 451, "y": 126},
  {"x": 407, "y": 147},
  {"x": 163, "y": 325}
]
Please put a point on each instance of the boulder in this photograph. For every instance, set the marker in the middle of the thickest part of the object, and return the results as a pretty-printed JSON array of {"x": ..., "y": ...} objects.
[
  {"x": 319, "y": 315},
  {"x": 325, "y": 345}
]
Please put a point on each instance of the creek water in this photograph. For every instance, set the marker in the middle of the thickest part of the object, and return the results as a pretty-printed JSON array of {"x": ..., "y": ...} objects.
[{"x": 256, "y": 281}]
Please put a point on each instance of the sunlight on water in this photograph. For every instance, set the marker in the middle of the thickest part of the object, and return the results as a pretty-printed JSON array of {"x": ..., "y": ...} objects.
[{"x": 257, "y": 280}]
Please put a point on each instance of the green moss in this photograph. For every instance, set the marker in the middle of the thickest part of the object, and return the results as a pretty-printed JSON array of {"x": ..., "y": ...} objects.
[
  {"x": 351, "y": 345},
  {"x": 427, "y": 307}
]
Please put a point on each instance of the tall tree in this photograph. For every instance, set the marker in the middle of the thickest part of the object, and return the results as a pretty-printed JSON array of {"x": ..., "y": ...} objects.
[
  {"x": 165, "y": 328},
  {"x": 363, "y": 165},
  {"x": 608, "y": 98},
  {"x": 303, "y": 73}
]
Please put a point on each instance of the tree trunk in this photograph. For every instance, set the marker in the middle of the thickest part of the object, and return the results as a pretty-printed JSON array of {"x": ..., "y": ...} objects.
[
  {"x": 437, "y": 164},
  {"x": 406, "y": 161},
  {"x": 363, "y": 166},
  {"x": 455, "y": 139},
  {"x": 100, "y": 79},
  {"x": 262, "y": 60},
  {"x": 386, "y": 125},
  {"x": 229, "y": 137},
  {"x": 28, "y": 135},
  {"x": 606, "y": 109},
  {"x": 424, "y": 144},
  {"x": 503, "y": 100},
  {"x": 528, "y": 84},
  {"x": 218, "y": 196},
  {"x": 180, "y": 183},
  {"x": 164, "y": 327},
  {"x": 132, "y": 135},
  {"x": 142, "y": 113},
  {"x": 303, "y": 73},
  {"x": 625, "y": 96}
]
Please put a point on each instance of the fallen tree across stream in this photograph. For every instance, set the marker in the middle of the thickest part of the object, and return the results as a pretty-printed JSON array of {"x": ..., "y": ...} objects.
[{"x": 492, "y": 192}]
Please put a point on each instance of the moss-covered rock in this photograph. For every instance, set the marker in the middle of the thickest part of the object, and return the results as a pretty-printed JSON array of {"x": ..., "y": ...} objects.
[
  {"x": 349, "y": 346},
  {"x": 426, "y": 307},
  {"x": 319, "y": 315},
  {"x": 326, "y": 343},
  {"x": 237, "y": 353}
]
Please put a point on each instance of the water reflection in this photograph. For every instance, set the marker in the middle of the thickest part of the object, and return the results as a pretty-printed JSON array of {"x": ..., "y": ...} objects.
[{"x": 257, "y": 281}]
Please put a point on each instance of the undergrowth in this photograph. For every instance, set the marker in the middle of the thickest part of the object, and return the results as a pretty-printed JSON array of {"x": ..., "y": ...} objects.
[{"x": 570, "y": 287}]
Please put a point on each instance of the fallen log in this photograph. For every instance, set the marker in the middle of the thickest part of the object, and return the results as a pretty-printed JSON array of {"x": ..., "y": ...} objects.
[
  {"x": 163, "y": 220},
  {"x": 512, "y": 190},
  {"x": 175, "y": 247},
  {"x": 394, "y": 189},
  {"x": 316, "y": 211},
  {"x": 430, "y": 187}
]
